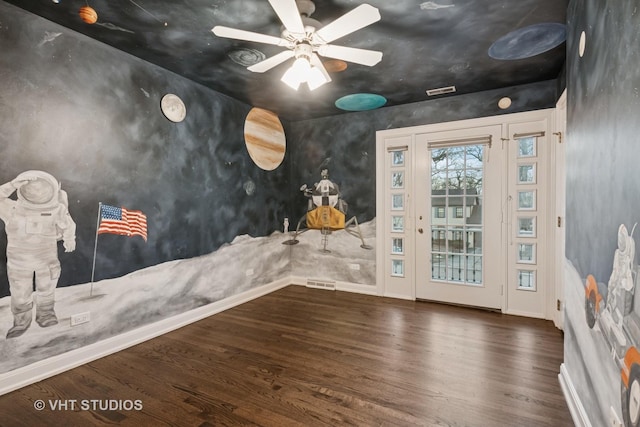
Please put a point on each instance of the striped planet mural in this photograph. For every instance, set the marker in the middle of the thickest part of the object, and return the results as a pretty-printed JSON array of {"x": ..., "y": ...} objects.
[{"x": 264, "y": 138}]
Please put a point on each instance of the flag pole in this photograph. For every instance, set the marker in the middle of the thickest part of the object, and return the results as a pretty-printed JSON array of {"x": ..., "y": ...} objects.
[{"x": 95, "y": 248}]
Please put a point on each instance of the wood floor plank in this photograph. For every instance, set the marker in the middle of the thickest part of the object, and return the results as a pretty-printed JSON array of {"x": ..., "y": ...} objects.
[{"x": 312, "y": 357}]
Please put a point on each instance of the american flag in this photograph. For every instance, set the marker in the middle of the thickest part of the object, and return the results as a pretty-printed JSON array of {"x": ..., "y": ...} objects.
[{"x": 122, "y": 221}]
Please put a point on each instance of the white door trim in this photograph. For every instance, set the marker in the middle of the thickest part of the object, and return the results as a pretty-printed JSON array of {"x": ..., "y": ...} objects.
[{"x": 383, "y": 287}]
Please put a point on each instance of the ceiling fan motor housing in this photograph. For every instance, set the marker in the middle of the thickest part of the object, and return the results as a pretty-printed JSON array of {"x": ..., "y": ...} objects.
[
  {"x": 303, "y": 50},
  {"x": 305, "y": 7}
]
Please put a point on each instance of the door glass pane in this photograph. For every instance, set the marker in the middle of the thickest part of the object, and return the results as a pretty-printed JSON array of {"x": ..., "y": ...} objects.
[
  {"x": 438, "y": 181},
  {"x": 438, "y": 266},
  {"x": 456, "y": 240},
  {"x": 397, "y": 180},
  {"x": 474, "y": 269},
  {"x": 438, "y": 210},
  {"x": 474, "y": 241},
  {"x": 474, "y": 157},
  {"x": 438, "y": 160},
  {"x": 397, "y": 202},
  {"x": 397, "y": 268},
  {"x": 526, "y": 253},
  {"x": 526, "y": 227},
  {"x": 527, "y": 147},
  {"x": 527, "y": 173},
  {"x": 473, "y": 179},
  {"x": 397, "y": 245},
  {"x": 438, "y": 239},
  {"x": 397, "y": 223},
  {"x": 475, "y": 214},
  {"x": 526, "y": 200},
  {"x": 456, "y": 158},
  {"x": 397, "y": 158},
  {"x": 456, "y": 210},
  {"x": 455, "y": 268},
  {"x": 527, "y": 280},
  {"x": 455, "y": 180}
]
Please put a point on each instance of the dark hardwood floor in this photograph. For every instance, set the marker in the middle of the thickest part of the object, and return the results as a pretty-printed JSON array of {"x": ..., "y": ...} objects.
[{"x": 311, "y": 357}]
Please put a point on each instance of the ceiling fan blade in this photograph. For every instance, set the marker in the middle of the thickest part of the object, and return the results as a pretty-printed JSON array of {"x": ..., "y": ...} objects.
[
  {"x": 288, "y": 13},
  {"x": 271, "y": 62},
  {"x": 359, "y": 17},
  {"x": 233, "y": 33},
  {"x": 316, "y": 62},
  {"x": 351, "y": 54}
]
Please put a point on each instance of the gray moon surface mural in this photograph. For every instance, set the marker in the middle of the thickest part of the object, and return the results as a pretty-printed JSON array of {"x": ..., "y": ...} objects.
[
  {"x": 264, "y": 138},
  {"x": 528, "y": 41}
]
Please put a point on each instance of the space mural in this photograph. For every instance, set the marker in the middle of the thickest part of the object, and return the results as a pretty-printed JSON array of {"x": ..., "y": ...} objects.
[
  {"x": 132, "y": 195},
  {"x": 602, "y": 316},
  {"x": 174, "y": 205},
  {"x": 117, "y": 200}
]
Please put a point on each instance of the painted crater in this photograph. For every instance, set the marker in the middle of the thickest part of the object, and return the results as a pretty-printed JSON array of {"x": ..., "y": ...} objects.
[{"x": 529, "y": 41}]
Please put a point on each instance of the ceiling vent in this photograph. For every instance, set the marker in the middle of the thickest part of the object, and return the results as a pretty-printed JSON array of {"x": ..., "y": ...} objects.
[{"x": 441, "y": 90}]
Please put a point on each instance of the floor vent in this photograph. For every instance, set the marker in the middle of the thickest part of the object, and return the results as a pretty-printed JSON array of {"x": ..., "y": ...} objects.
[
  {"x": 321, "y": 284},
  {"x": 441, "y": 90}
]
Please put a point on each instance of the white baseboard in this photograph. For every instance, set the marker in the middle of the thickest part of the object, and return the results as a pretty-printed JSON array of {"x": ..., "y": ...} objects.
[
  {"x": 579, "y": 415},
  {"x": 356, "y": 288},
  {"x": 399, "y": 296},
  {"x": 46, "y": 368},
  {"x": 525, "y": 314}
]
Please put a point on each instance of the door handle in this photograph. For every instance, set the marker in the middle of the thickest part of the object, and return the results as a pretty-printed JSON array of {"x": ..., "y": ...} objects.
[{"x": 420, "y": 230}]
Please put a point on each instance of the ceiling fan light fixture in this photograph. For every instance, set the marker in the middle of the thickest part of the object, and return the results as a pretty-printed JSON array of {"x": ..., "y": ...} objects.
[
  {"x": 298, "y": 73},
  {"x": 302, "y": 72},
  {"x": 306, "y": 39},
  {"x": 291, "y": 79},
  {"x": 301, "y": 67},
  {"x": 315, "y": 78}
]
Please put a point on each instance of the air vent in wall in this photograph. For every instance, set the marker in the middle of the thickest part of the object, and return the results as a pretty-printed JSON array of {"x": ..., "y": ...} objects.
[
  {"x": 321, "y": 284},
  {"x": 441, "y": 90}
]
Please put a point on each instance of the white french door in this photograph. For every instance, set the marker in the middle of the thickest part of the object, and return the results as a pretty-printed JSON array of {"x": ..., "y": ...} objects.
[
  {"x": 528, "y": 245},
  {"x": 458, "y": 216},
  {"x": 463, "y": 211}
]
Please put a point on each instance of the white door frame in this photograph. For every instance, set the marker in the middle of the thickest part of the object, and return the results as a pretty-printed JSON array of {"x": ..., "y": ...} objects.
[
  {"x": 558, "y": 168},
  {"x": 408, "y": 134}
]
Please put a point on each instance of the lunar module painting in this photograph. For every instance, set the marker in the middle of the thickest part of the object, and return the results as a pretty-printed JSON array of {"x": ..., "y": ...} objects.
[{"x": 326, "y": 211}]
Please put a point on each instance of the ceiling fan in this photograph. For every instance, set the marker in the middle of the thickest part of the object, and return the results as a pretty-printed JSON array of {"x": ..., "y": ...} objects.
[{"x": 305, "y": 39}]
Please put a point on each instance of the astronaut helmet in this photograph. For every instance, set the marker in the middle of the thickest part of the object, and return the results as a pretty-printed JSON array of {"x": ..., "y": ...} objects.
[
  {"x": 40, "y": 192},
  {"x": 623, "y": 238}
]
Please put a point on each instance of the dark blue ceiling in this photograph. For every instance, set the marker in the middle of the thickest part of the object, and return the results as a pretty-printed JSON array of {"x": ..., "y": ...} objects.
[{"x": 474, "y": 45}]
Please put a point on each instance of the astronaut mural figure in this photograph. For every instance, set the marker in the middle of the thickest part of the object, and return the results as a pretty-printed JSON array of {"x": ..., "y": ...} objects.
[
  {"x": 621, "y": 283},
  {"x": 34, "y": 223}
]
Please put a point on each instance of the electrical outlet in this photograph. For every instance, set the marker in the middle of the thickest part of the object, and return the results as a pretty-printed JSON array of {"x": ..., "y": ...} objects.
[
  {"x": 80, "y": 318},
  {"x": 354, "y": 266}
]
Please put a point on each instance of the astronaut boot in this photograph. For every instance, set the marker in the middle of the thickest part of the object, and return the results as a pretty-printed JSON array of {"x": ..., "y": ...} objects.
[
  {"x": 21, "y": 322},
  {"x": 45, "y": 315}
]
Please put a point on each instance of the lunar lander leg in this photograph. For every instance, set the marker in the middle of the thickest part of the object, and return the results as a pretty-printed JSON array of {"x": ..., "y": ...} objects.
[
  {"x": 325, "y": 230},
  {"x": 294, "y": 240},
  {"x": 357, "y": 232}
]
